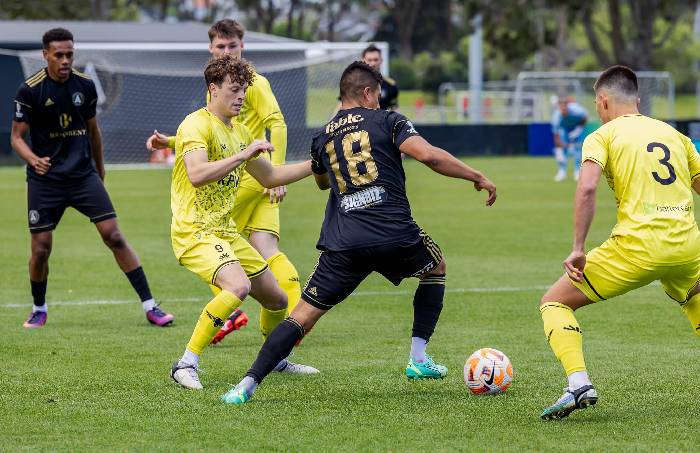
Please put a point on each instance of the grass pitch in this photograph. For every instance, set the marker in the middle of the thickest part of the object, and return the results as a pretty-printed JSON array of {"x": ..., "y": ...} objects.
[{"x": 96, "y": 377}]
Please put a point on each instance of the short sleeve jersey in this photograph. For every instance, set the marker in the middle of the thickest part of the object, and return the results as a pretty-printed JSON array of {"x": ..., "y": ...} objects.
[
  {"x": 389, "y": 95},
  {"x": 367, "y": 206},
  {"x": 57, "y": 114},
  {"x": 650, "y": 166},
  {"x": 206, "y": 209},
  {"x": 573, "y": 118}
]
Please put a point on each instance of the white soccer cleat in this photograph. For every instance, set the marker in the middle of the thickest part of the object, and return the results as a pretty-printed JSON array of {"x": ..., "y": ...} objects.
[
  {"x": 560, "y": 176},
  {"x": 297, "y": 368},
  {"x": 186, "y": 376}
]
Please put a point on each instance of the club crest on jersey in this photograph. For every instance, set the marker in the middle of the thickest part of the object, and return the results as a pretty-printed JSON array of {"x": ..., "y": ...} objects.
[
  {"x": 364, "y": 199},
  {"x": 33, "y": 217},
  {"x": 78, "y": 99},
  {"x": 348, "y": 119}
]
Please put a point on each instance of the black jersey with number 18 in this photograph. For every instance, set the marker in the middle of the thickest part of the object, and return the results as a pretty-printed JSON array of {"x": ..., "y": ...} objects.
[{"x": 367, "y": 206}]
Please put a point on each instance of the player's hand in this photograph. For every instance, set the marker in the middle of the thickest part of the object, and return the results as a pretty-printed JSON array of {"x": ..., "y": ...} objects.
[
  {"x": 574, "y": 264},
  {"x": 277, "y": 194},
  {"x": 157, "y": 141},
  {"x": 41, "y": 165},
  {"x": 485, "y": 184},
  {"x": 256, "y": 148}
]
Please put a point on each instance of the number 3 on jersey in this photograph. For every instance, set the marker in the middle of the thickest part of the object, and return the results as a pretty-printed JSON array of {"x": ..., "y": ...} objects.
[
  {"x": 663, "y": 161},
  {"x": 353, "y": 159}
]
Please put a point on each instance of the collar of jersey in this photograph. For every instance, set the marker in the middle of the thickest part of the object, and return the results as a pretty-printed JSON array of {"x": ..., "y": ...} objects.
[{"x": 219, "y": 119}]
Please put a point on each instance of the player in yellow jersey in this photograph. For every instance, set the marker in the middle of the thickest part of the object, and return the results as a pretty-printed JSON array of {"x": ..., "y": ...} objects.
[
  {"x": 257, "y": 210},
  {"x": 651, "y": 168},
  {"x": 212, "y": 153}
]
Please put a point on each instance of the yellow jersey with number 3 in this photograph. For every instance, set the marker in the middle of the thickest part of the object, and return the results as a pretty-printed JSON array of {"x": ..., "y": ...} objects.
[
  {"x": 206, "y": 209},
  {"x": 650, "y": 166}
]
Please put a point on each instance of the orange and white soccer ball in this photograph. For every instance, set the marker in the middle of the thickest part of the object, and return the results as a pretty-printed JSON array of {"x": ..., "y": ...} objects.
[{"x": 488, "y": 372}]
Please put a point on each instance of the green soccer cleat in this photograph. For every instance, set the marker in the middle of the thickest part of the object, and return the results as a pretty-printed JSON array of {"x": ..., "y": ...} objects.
[
  {"x": 425, "y": 370},
  {"x": 580, "y": 398},
  {"x": 237, "y": 395}
]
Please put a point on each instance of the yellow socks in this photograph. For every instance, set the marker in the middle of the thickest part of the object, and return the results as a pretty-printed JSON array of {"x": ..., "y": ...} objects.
[
  {"x": 692, "y": 311},
  {"x": 269, "y": 320},
  {"x": 212, "y": 319},
  {"x": 287, "y": 277},
  {"x": 564, "y": 335}
]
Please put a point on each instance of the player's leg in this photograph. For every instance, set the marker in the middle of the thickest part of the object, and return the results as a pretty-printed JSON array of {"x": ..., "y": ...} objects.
[
  {"x": 230, "y": 277},
  {"x": 91, "y": 199},
  {"x": 263, "y": 227},
  {"x": 427, "y": 306},
  {"x": 38, "y": 277},
  {"x": 335, "y": 276},
  {"x": 560, "y": 157},
  {"x": 45, "y": 207},
  {"x": 607, "y": 274},
  {"x": 576, "y": 149},
  {"x": 682, "y": 284}
]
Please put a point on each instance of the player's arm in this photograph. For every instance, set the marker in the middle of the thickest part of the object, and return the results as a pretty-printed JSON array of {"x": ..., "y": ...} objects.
[
  {"x": 270, "y": 176},
  {"x": 93, "y": 130},
  {"x": 201, "y": 171},
  {"x": 159, "y": 140},
  {"x": 40, "y": 165},
  {"x": 584, "y": 210},
  {"x": 322, "y": 181},
  {"x": 440, "y": 161},
  {"x": 265, "y": 104}
]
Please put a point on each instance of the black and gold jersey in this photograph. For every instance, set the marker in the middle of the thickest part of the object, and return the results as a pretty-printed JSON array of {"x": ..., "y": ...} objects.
[
  {"x": 57, "y": 114},
  {"x": 359, "y": 150}
]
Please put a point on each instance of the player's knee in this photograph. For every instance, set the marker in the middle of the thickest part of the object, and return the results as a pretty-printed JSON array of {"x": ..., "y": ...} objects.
[
  {"x": 441, "y": 268},
  {"x": 240, "y": 288},
  {"x": 279, "y": 302},
  {"x": 114, "y": 240},
  {"x": 41, "y": 250}
]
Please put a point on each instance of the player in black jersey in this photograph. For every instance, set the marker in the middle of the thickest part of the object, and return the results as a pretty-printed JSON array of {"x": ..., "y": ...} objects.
[
  {"x": 368, "y": 225},
  {"x": 57, "y": 105},
  {"x": 389, "y": 93}
]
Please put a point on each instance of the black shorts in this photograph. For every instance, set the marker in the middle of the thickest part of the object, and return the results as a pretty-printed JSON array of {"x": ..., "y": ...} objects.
[
  {"x": 48, "y": 201},
  {"x": 337, "y": 274}
]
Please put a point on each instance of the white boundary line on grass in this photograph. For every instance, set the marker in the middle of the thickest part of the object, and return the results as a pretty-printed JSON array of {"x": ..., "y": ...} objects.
[{"x": 80, "y": 303}]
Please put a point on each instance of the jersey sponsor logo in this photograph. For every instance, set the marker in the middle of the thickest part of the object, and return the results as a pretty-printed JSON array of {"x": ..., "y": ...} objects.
[
  {"x": 364, "y": 199},
  {"x": 18, "y": 113},
  {"x": 33, "y": 217},
  {"x": 78, "y": 98},
  {"x": 64, "y": 120},
  {"x": 49, "y": 102},
  {"x": 348, "y": 119},
  {"x": 231, "y": 178},
  {"x": 653, "y": 208}
]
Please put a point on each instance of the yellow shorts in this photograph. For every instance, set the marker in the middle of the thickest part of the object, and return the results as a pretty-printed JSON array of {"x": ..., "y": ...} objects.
[
  {"x": 211, "y": 253},
  {"x": 254, "y": 212},
  {"x": 609, "y": 273}
]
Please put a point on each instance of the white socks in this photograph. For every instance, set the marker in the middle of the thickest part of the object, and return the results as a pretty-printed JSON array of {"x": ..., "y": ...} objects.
[
  {"x": 189, "y": 358},
  {"x": 578, "y": 379},
  {"x": 418, "y": 346},
  {"x": 148, "y": 304},
  {"x": 43, "y": 308}
]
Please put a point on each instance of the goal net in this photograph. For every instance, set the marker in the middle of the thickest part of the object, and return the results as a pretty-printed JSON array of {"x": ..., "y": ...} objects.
[{"x": 142, "y": 87}]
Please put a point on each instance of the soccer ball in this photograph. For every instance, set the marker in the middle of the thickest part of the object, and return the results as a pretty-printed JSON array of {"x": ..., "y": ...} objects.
[{"x": 488, "y": 372}]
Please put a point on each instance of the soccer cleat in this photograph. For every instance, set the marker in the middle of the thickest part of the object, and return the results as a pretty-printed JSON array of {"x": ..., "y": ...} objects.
[
  {"x": 560, "y": 176},
  {"x": 297, "y": 368},
  {"x": 158, "y": 317},
  {"x": 425, "y": 370},
  {"x": 36, "y": 319},
  {"x": 237, "y": 395},
  {"x": 186, "y": 376},
  {"x": 236, "y": 321},
  {"x": 580, "y": 398}
]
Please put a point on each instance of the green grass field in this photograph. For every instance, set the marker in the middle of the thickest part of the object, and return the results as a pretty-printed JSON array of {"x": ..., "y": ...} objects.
[{"x": 96, "y": 377}]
